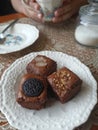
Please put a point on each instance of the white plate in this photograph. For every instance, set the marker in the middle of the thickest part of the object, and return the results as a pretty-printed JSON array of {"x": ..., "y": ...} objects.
[
  {"x": 55, "y": 116},
  {"x": 19, "y": 37}
]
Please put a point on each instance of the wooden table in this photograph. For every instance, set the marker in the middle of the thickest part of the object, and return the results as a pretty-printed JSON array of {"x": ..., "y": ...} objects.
[
  {"x": 59, "y": 37},
  {"x": 10, "y": 17}
]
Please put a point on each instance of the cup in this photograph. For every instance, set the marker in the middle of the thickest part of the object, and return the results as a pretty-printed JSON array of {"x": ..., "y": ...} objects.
[{"x": 48, "y": 7}]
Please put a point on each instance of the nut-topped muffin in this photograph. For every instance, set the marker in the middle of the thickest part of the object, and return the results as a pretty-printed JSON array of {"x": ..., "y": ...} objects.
[
  {"x": 42, "y": 65},
  {"x": 65, "y": 84},
  {"x": 32, "y": 92}
]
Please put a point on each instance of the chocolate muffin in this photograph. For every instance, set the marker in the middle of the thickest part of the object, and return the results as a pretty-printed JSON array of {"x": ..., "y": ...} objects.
[
  {"x": 32, "y": 92},
  {"x": 65, "y": 84},
  {"x": 41, "y": 65}
]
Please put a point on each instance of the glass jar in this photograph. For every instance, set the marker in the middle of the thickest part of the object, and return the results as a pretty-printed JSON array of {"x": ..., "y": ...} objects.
[{"x": 86, "y": 32}]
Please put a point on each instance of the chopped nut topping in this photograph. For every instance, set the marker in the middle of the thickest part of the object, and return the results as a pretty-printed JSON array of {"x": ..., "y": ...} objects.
[
  {"x": 68, "y": 75},
  {"x": 60, "y": 80}
]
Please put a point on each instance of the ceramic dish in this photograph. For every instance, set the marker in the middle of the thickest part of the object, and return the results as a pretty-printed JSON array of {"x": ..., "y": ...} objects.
[
  {"x": 55, "y": 116},
  {"x": 19, "y": 37}
]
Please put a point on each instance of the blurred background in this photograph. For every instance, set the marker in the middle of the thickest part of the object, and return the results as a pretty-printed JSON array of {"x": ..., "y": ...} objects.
[{"x": 6, "y": 7}]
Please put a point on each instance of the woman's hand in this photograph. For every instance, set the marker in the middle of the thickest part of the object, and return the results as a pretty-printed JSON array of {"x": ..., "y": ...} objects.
[
  {"x": 63, "y": 13},
  {"x": 69, "y": 8},
  {"x": 34, "y": 11}
]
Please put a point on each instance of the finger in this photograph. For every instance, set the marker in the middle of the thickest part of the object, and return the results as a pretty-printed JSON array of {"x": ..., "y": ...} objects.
[
  {"x": 34, "y": 5},
  {"x": 62, "y": 18},
  {"x": 62, "y": 10},
  {"x": 34, "y": 15}
]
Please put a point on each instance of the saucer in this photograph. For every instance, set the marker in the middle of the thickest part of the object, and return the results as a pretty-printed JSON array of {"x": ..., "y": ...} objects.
[
  {"x": 18, "y": 37},
  {"x": 56, "y": 116}
]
